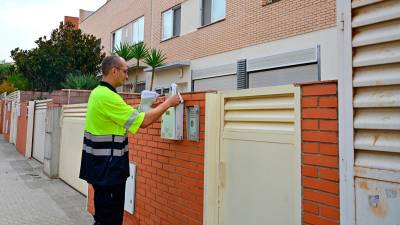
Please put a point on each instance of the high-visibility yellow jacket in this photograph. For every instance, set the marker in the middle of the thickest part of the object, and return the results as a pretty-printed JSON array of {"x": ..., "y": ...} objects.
[{"x": 105, "y": 158}]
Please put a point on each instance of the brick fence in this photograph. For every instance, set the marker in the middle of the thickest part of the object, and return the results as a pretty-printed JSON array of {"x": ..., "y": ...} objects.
[
  {"x": 320, "y": 161},
  {"x": 170, "y": 174}
]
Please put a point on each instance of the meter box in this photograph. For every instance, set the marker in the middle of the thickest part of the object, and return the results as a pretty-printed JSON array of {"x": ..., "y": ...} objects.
[
  {"x": 172, "y": 120},
  {"x": 192, "y": 122},
  {"x": 172, "y": 123}
]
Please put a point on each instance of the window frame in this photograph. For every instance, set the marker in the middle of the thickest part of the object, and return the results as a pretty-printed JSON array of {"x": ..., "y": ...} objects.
[
  {"x": 174, "y": 33},
  {"x": 136, "y": 21},
  {"x": 114, "y": 34},
  {"x": 212, "y": 18}
]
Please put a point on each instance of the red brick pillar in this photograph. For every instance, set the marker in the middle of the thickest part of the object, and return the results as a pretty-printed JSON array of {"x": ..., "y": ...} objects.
[{"x": 320, "y": 160}]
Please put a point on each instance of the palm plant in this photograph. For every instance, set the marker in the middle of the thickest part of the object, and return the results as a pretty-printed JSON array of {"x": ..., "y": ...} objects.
[
  {"x": 139, "y": 51},
  {"x": 124, "y": 50},
  {"x": 155, "y": 58}
]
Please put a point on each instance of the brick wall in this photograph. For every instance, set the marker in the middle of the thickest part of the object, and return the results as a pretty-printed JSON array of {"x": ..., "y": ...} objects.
[
  {"x": 33, "y": 95},
  {"x": 320, "y": 161},
  {"x": 1, "y": 115},
  {"x": 73, "y": 20},
  {"x": 246, "y": 23},
  {"x": 170, "y": 174},
  {"x": 22, "y": 128}
]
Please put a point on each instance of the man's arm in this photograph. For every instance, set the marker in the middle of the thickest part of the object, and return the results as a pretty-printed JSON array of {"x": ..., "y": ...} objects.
[{"x": 153, "y": 115}]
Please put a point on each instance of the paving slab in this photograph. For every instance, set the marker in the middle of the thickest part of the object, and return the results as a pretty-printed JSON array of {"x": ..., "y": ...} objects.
[{"x": 28, "y": 197}]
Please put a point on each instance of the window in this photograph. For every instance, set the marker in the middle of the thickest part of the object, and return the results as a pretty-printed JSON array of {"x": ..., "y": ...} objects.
[
  {"x": 140, "y": 86},
  {"x": 117, "y": 38},
  {"x": 171, "y": 23},
  {"x": 138, "y": 30},
  {"x": 212, "y": 10},
  {"x": 162, "y": 91}
]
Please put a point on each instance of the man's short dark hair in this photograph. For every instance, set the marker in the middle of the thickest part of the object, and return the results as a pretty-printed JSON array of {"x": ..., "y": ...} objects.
[{"x": 109, "y": 62}]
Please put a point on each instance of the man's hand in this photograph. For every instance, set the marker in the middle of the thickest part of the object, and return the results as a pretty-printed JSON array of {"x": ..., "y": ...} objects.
[
  {"x": 158, "y": 101},
  {"x": 174, "y": 101},
  {"x": 153, "y": 115}
]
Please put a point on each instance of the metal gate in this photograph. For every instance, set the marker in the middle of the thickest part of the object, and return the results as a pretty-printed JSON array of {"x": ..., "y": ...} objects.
[
  {"x": 39, "y": 129},
  {"x": 13, "y": 107},
  {"x": 258, "y": 176},
  {"x": 72, "y": 132},
  {"x": 376, "y": 87}
]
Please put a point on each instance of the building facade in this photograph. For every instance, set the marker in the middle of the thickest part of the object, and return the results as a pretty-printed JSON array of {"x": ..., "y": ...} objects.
[{"x": 223, "y": 44}]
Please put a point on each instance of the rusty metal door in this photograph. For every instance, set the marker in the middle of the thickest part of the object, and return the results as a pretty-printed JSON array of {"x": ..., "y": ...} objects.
[{"x": 376, "y": 87}]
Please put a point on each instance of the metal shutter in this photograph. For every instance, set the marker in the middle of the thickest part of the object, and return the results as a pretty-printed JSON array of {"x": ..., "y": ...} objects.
[
  {"x": 376, "y": 87},
  {"x": 222, "y": 83},
  {"x": 290, "y": 75},
  {"x": 242, "y": 78}
]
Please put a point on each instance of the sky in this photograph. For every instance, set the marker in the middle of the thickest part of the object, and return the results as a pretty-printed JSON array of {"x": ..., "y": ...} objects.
[{"x": 24, "y": 21}]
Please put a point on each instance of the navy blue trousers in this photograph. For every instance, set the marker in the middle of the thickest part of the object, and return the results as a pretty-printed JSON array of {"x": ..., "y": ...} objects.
[{"x": 109, "y": 204}]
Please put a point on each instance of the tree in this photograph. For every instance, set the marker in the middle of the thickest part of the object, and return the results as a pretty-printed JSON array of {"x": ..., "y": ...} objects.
[
  {"x": 67, "y": 51},
  {"x": 139, "y": 52},
  {"x": 154, "y": 59}
]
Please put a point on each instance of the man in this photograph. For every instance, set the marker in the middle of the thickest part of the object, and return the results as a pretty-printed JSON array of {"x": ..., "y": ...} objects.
[{"x": 105, "y": 162}]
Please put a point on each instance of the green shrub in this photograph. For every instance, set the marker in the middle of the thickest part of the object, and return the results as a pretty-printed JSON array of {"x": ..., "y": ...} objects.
[
  {"x": 18, "y": 81},
  {"x": 81, "y": 81}
]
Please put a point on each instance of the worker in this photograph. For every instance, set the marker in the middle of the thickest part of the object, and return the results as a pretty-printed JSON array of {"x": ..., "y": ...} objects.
[{"x": 105, "y": 161}]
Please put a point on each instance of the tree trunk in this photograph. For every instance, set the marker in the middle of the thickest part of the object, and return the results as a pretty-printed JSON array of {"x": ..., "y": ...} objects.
[
  {"x": 137, "y": 74},
  {"x": 152, "y": 79}
]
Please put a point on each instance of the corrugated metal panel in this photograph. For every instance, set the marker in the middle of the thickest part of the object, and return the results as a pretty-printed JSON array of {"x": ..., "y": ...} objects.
[
  {"x": 377, "y": 54},
  {"x": 379, "y": 118},
  {"x": 379, "y": 33},
  {"x": 224, "y": 83},
  {"x": 273, "y": 111},
  {"x": 375, "y": 13},
  {"x": 378, "y": 160},
  {"x": 381, "y": 96},
  {"x": 14, "y": 96},
  {"x": 283, "y": 76},
  {"x": 359, "y": 3},
  {"x": 75, "y": 110},
  {"x": 377, "y": 140},
  {"x": 42, "y": 104},
  {"x": 215, "y": 71},
  {"x": 303, "y": 56},
  {"x": 376, "y": 83},
  {"x": 387, "y": 74}
]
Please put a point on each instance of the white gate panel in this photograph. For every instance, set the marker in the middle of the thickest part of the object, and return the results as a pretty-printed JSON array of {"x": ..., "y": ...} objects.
[
  {"x": 259, "y": 169},
  {"x": 71, "y": 141},
  {"x": 29, "y": 129},
  {"x": 14, "y": 99},
  {"x": 39, "y": 130}
]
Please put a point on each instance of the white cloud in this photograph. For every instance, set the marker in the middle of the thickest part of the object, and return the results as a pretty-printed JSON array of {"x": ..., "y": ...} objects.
[{"x": 24, "y": 21}]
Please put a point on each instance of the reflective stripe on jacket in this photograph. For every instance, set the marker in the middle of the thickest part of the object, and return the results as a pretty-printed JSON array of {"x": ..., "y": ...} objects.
[{"x": 105, "y": 158}]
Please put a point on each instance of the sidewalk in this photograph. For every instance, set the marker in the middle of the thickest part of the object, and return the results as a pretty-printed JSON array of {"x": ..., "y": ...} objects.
[{"x": 28, "y": 197}]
